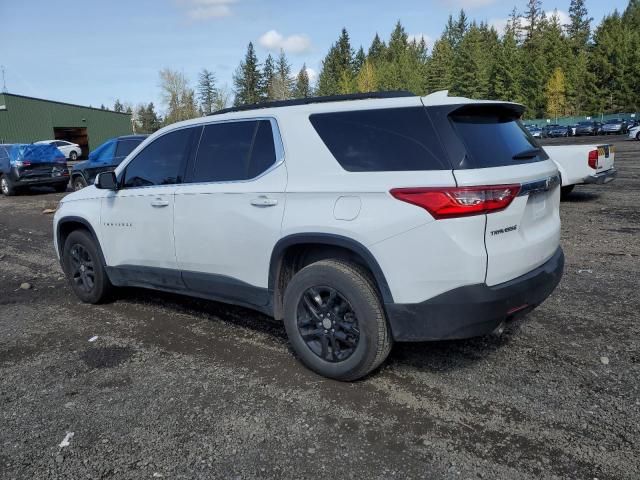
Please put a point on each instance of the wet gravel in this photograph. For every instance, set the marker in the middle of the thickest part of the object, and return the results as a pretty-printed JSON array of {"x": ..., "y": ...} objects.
[{"x": 180, "y": 388}]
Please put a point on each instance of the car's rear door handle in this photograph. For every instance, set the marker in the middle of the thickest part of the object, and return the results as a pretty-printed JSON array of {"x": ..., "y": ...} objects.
[
  {"x": 159, "y": 202},
  {"x": 264, "y": 202}
]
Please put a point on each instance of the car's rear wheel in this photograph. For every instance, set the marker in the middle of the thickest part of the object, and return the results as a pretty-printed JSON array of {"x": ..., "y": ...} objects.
[
  {"x": 335, "y": 320},
  {"x": 84, "y": 269},
  {"x": 7, "y": 187},
  {"x": 73, "y": 155},
  {"x": 565, "y": 191},
  {"x": 78, "y": 183}
]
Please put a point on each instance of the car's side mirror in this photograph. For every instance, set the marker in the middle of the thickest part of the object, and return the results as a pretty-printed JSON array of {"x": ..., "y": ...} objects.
[{"x": 107, "y": 181}]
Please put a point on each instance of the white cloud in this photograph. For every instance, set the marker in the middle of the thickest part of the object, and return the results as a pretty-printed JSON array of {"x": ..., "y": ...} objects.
[
  {"x": 206, "y": 9},
  {"x": 501, "y": 23},
  {"x": 274, "y": 41},
  {"x": 312, "y": 74}
]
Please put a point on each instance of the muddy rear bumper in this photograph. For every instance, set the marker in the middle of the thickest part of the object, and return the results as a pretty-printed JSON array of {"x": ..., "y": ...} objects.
[{"x": 474, "y": 310}]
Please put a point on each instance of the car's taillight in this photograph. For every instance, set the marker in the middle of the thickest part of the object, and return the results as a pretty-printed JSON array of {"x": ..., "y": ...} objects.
[
  {"x": 451, "y": 202},
  {"x": 593, "y": 159}
]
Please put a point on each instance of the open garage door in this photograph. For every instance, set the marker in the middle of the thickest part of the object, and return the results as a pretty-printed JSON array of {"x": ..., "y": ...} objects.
[{"x": 75, "y": 135}]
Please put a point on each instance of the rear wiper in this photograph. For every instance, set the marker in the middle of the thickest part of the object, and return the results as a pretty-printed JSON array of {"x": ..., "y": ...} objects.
[{"x": 527, "y": 153}]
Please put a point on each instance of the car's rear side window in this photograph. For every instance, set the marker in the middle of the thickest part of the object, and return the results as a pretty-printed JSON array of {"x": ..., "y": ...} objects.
[
  {"x": 494, "y": 137},
  {"x": 232, "y": 151},
  {"x": 381, "y": 140}
]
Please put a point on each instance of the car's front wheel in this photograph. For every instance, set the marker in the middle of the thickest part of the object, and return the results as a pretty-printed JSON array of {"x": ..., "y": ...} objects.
[
  {"x": 335, "y": 320},
  {"x": 7, "y": 187},
  {"x": 78, "y": 183},
  {"x": 84, "y": 269}
]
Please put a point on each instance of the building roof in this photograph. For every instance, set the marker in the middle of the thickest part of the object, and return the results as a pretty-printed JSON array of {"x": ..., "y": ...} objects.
[{"x": 61, "y": 103}]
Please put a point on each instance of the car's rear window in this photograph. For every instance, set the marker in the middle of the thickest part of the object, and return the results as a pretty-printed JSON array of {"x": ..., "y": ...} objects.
[
  {"x": 381, "y": 140},
  {"x": 494, "y": 137}
]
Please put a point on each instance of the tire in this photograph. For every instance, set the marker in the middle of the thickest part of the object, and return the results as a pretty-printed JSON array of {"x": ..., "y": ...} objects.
[
  {"x": 73, "y": 155},
  {"x": 78, "y": 183},
  {"x": 638, "y": 136},
  {"x": 346, "y": 339},
  {"x": 60, "y": 187},
  {"x": 565, "y": 191},
  {"x": 7, "y": 187},
  {"x": 90, "y": 284}
]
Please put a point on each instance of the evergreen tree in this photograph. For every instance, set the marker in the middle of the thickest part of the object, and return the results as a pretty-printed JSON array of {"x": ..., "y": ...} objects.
[
  {"x": 579, "y": 27},
  {"x": 359, "y": 60},
  {"x": 282, "y": 82},
  {"x": 268, "y": 75},
  {"x": 377, "y": 49},
  {"x": 455, "y": 29},
  {"x": 473, "y": 62},
  {"x": 534, "y": 16},
  {"x": 207, "y": 91},
  {"x": 302, "y": 88},
  {"x": 507, "y": 69},
  {"x": 439, "y": 68},
  {"x": 337, "y": 74},
  {"x": 117, "y": 106},
  {"x": 247, "y": 80},
  {"x": 102, "y": 107}
]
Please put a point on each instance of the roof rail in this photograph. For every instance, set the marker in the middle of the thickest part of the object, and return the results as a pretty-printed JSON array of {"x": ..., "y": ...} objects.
[{"x": 308, "y": 100}]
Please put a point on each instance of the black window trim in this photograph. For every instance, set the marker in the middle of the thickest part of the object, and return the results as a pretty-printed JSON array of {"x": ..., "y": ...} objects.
[
  {"x": 277, "y": 141},
  {"x": 183, "y": 168}
]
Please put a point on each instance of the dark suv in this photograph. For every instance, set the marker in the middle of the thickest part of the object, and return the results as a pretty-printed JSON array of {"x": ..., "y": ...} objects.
[
  {"x": 32, "y": 165},
  {"x": 104, "y": 158}
]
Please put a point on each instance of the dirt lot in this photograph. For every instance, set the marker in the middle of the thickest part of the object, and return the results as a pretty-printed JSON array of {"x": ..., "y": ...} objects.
[{"x": 181, "y": 388}]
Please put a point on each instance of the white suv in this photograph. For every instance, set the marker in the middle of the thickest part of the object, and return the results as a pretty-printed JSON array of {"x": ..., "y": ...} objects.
[{"x": 357, "y": 220}]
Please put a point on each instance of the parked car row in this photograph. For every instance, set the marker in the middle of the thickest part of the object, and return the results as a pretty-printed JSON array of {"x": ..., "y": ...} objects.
[{"x": 615, "y": 126}]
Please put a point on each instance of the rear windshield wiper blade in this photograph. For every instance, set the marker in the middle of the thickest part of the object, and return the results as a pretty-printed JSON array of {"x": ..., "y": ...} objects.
[{"x": 527, "y": 153}]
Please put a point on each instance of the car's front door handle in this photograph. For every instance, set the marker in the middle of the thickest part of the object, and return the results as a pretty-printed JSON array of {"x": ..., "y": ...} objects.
[
  {"x": 264, "y": 202},
  {"x": 159, "y": 202}
]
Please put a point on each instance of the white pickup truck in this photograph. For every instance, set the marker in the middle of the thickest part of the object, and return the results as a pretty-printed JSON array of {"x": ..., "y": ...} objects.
[{"x": 581, "y": 164}]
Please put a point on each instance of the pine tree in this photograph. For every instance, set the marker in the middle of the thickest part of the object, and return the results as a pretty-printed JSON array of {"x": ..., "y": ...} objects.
[
  {"x": 102, "y": 107},
  {"x": 534, "y": 15},
  {"x": 507, "y": 72},
  {"x": 268, "y": 75},
  {"x": 207, "y": 91},
  {"x": 302, "y": 88},
  {"x": 247, "y": 79},
  {"x": 377, "y": 49},
  {"x": 455, "y": 29},
  {"x": 556, "y": 94},
  {"x": 117, "y": 106},
  {"x": 337, "y": 74},
  {"x": 282, "y": 82},
  {"x": 359, "y": 60},
  {"x": 474, "y": 62},
  {"x": 439, "y": 68},
  {"x": 579, "y": 27}
]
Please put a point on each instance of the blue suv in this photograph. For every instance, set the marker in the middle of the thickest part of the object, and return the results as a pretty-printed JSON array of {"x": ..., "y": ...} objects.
[{"x": 104, "y": 158}]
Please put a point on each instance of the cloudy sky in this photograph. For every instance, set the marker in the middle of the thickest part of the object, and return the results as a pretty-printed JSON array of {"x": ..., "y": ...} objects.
[{"x": 91, "y": 52}]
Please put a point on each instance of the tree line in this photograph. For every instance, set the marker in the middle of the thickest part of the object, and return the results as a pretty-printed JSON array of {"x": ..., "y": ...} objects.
[{"x": 554, "y": 69}]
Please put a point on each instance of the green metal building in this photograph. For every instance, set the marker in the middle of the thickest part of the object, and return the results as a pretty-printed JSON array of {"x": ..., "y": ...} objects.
[{"x": 27, "y": 119}]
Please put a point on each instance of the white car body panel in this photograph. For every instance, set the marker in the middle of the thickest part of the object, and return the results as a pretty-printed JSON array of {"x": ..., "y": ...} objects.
[{"x": 573, "y": 162}]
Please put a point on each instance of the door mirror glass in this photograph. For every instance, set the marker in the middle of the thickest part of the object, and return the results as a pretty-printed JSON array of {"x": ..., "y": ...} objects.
[{"x": 107, "y": 181}]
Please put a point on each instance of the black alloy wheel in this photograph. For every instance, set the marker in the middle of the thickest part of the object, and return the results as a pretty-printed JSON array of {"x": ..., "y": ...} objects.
[
  {"x": 82, "y": 264},
  {"x": 327, "y": 324}
]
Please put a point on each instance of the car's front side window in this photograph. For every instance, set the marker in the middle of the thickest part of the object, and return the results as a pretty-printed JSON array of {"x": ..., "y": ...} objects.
[{"x": 162, "y": 161}]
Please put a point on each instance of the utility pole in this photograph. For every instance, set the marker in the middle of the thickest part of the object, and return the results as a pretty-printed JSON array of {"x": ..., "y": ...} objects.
[{"x": 4, "y": 84}]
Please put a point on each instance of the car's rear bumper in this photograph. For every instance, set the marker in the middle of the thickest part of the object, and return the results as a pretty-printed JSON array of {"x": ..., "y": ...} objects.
[
  {"x": 474, "y": 310},
  {"x": 602, "y": 177},
  {"x": 41, "y": 181}
]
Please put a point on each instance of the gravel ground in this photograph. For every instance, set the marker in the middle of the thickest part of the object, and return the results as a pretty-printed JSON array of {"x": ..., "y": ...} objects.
[{"x": 180, "y": 388}]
